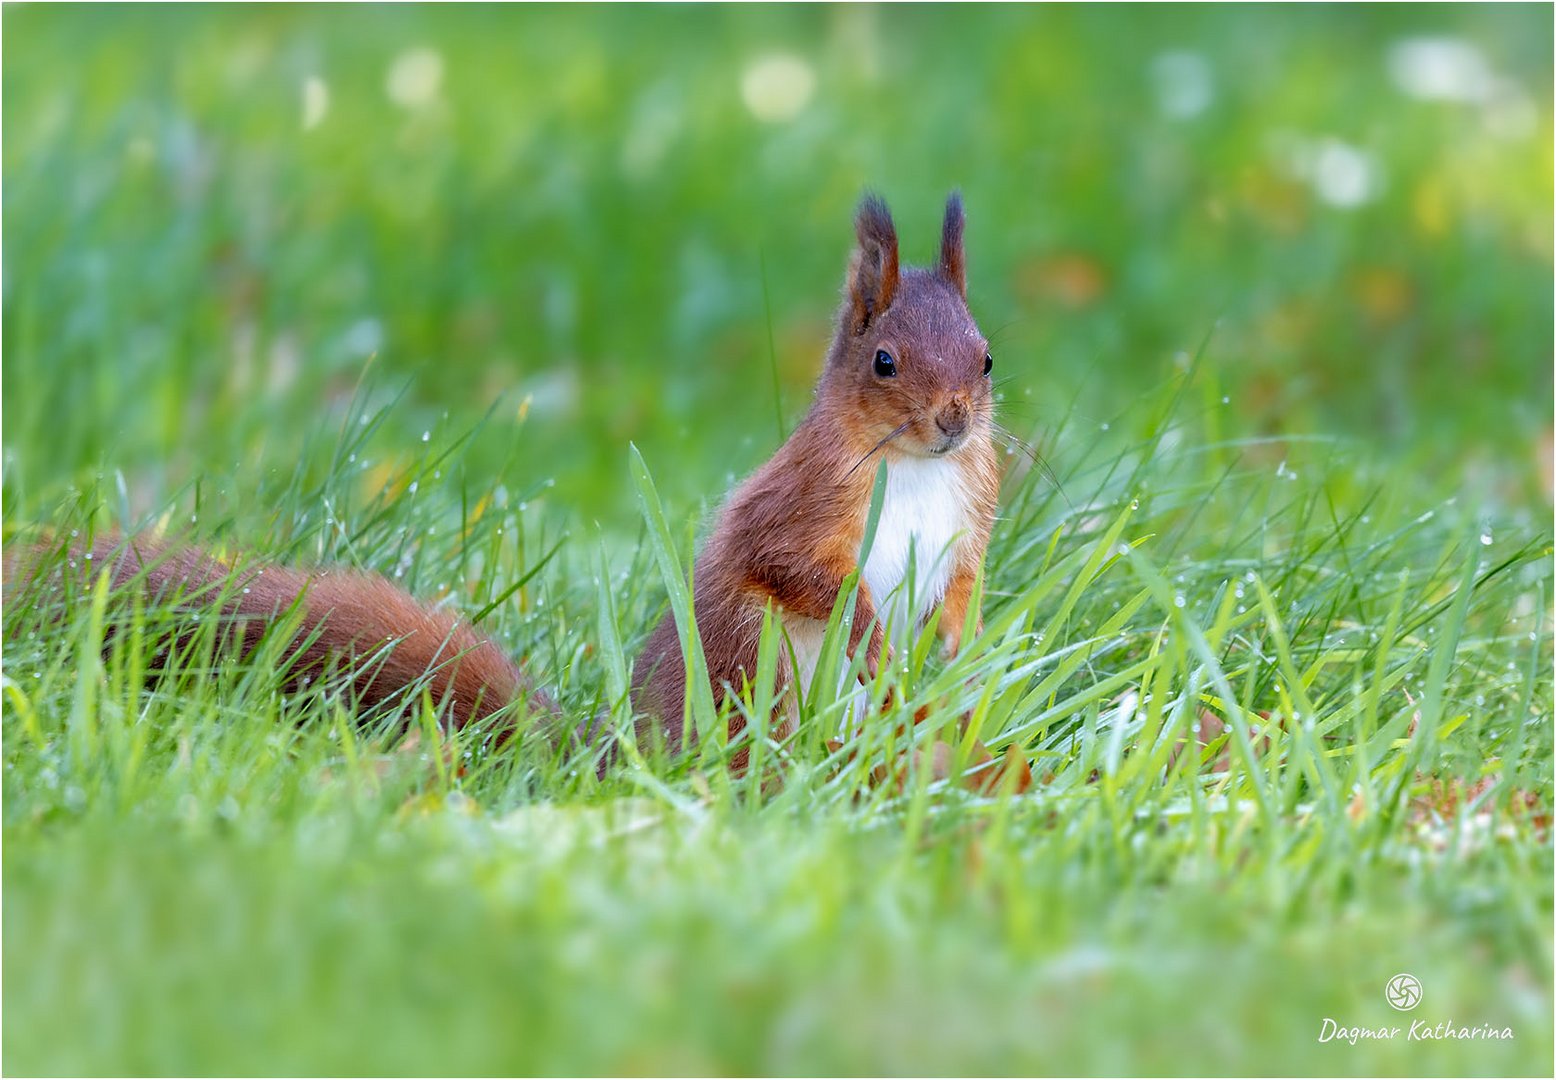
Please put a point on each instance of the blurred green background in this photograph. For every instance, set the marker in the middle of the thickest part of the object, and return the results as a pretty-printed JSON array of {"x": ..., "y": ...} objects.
[
  {"x": 233, "y": 235},
  {"x": 626, "y": 217}
]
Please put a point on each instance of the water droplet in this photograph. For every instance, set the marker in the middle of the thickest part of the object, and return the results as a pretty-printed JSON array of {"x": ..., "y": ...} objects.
[
  {"x": 1179, "y": 600},
  {"x": 1104, "y": 425},
  {"x": 1485, "y": 537},
  {"x": 1226, "y": 401},
  {"x": 426, "y": 436}
]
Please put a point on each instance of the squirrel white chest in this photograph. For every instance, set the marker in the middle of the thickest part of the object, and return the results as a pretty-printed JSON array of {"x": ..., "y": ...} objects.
[{"x": 923, "y": 517}]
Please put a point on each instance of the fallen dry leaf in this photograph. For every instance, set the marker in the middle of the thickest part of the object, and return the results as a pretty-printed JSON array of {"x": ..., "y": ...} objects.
[{"x": 1211, "y": 728}]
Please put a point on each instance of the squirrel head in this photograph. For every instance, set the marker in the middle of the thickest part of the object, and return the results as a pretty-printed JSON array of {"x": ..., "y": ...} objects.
[{"x": 909, "y": 366}]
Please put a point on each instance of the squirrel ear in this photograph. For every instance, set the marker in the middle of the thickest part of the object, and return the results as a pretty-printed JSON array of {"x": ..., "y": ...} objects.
[
  {"x": 953, "y": 263},
  {"x": 872, "y": 272}
]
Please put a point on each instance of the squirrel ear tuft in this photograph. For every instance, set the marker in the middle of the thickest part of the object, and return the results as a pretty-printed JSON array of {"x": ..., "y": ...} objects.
[
  {"x": 872, "y": 272},
  {"x": 953, "y": 263}
]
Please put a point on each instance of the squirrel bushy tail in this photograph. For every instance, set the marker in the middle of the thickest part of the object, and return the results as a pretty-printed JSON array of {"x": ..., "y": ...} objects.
[{"x": 346, "y": 621}]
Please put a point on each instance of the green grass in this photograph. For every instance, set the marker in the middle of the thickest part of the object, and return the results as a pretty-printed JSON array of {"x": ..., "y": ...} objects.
[
  {"x": 1274, "y": 505},
  {"x": 221, "y": 880}
]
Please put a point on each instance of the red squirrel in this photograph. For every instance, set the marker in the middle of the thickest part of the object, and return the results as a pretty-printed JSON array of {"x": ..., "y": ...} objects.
[{"x": 907, "y": 378}]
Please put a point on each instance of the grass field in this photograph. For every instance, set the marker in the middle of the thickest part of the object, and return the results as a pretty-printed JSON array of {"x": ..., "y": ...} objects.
[{"x": 479, "y": 299}]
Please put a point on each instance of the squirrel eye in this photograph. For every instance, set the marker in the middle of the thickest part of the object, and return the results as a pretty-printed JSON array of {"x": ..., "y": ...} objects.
[
  {"x": 885, "y": 366},
  {"x": 988, "y": 363}
]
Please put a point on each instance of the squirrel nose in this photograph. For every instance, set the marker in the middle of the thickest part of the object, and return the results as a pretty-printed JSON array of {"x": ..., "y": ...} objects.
[{"x": 952, "y": 420}]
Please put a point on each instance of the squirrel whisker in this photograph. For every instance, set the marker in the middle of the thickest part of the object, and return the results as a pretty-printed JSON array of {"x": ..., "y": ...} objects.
[
  {"x": 1015, "y": 442},
  {"x": 898, "y": 431}
]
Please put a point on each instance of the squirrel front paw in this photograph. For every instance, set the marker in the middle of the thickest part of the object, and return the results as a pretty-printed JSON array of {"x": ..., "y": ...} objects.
[
  {"x": 873, "y": 650},
  {"x": 953, "y": 640}
]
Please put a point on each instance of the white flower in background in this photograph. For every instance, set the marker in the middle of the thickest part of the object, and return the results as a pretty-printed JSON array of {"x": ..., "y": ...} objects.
[
  {"x": 1342, "y": 174},
  {"x": 1447, "y": 69},
  {"x": 1339, "y": 173},
  {"x": 776, "y": 88},
  {"x": 316, "y": 102},
  {"x": 1441, "y": 69},
  {"x": 414, "y": 77},
  {"x": 1184, "y": 85}
]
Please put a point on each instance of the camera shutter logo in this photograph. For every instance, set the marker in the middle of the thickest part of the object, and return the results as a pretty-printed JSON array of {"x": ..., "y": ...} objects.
[{"x": 1403, "y": 992}]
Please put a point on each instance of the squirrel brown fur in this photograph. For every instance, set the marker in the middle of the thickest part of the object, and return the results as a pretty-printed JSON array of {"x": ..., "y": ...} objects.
[{"x": 907, "y": 379}]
